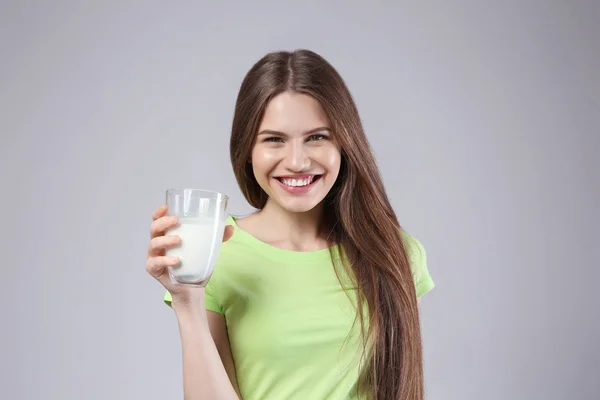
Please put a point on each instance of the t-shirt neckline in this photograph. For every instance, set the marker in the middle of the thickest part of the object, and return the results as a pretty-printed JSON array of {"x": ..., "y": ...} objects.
[{"x": 278, "y": 253}]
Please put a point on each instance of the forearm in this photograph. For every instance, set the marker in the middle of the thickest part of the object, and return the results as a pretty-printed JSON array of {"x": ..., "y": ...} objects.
[{"x": 204, "y": 376}]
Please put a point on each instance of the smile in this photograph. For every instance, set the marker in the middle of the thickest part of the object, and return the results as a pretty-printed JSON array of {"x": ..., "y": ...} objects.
[{"x": 298, "y": 184}]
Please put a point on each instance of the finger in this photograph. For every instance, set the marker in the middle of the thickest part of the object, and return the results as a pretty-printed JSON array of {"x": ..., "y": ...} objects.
[
  {"x": 160, "y": 243},
  {"x": 228, "y": 233},
  {"x": 159, "y": 212},
  {"x": 161, "y": 225},
  {"x": 155, "y": 266}
]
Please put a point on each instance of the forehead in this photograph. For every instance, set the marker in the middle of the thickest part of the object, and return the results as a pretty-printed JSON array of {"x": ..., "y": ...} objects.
[{"x": 293, "y": 113}]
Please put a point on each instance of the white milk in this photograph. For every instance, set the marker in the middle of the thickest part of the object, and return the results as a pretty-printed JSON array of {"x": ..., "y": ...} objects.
[{"x": 200, "y": 244}]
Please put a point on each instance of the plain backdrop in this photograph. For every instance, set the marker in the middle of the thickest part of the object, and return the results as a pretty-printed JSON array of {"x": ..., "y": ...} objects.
[{"x": 484, "y": 117}]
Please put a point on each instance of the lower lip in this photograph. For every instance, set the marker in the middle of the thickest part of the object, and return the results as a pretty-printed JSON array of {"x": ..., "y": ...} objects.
[{"x": 298, "y": 189}]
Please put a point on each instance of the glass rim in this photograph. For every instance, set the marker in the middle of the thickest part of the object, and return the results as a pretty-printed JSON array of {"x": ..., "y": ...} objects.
[{"x": 214, "y": 193}]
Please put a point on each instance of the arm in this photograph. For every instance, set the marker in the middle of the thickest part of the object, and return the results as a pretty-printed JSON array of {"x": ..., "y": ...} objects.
[
  {"x": 205, "y": 374},
  {"x": 218, "y": 330}
]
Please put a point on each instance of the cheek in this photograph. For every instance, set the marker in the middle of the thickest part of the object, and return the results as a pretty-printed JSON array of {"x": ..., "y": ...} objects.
[
  {"x": 332, "y": 161},
  {"x": 263, "y": 161}
]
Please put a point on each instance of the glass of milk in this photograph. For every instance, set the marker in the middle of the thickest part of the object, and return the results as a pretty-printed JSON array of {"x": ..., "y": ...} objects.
[{"x": 201, "y": 224}]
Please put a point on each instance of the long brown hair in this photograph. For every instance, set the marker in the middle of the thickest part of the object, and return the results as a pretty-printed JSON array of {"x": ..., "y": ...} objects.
[{"x": 359, "y": 216}]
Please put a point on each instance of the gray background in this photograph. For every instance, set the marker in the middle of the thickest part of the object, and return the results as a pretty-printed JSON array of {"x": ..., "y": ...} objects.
[{"x": 484, "y": 118}]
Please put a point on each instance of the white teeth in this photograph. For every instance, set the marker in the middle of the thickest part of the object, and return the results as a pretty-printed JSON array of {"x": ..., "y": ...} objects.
[{"x": 297, "y": 182}]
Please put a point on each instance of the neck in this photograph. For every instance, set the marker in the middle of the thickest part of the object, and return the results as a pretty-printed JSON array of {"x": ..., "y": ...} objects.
[{"x": 291, "y": 225}]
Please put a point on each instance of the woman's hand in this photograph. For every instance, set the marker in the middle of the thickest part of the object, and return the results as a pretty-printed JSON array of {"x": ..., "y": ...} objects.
[{"x": 157, "y": 262}]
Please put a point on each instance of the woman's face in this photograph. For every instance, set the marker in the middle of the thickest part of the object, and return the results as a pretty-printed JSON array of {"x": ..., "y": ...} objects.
[{"x": 294, "y": 158}]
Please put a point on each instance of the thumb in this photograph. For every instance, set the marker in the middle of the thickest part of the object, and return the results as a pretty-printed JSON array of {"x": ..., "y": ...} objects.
[{"x": 228, "y": 233}]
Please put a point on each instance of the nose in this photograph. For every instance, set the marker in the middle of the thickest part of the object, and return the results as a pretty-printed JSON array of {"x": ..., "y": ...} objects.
[{"x": 297, "y": 159}]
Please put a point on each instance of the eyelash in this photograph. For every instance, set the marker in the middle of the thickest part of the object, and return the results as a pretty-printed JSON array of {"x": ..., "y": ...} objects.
[{"x": 318, "y": 137}]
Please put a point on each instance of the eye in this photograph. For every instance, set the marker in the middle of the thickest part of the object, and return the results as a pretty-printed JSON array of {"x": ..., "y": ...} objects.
[
  {"x": 273, "y": 139},
  {"x": 317, "y": 137}
]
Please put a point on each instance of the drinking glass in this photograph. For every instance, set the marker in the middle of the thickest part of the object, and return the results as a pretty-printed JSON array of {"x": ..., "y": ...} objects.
[{"x": 202, "y": 216}]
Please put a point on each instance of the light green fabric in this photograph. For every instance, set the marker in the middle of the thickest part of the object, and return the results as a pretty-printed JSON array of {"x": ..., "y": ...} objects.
[{"x": 291, "y": 324}]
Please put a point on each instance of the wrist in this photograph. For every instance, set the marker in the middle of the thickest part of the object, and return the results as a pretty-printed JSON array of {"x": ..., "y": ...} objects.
[
  {"x": 187, "y": 307},
  {"x": 192, "y": 321}
]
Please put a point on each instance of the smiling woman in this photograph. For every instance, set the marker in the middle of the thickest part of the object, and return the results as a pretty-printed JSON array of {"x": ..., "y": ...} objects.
[
  {"x": 314, "y": 296},
  {"x": 294, "y": 159}
]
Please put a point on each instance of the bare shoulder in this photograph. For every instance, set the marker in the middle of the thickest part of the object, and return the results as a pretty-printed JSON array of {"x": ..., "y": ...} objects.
[{"x": 248, "y": 222}]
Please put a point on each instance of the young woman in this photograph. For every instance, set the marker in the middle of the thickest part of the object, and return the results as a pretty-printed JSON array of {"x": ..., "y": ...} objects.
[{"x": 314, "y": 296}]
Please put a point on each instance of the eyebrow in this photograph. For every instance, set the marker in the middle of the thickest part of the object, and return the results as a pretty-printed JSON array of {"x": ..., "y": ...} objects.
[{"x": 278, "y": 133}]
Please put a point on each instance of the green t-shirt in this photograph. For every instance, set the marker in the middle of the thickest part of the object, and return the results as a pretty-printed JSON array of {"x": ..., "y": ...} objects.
[{"x": 291, "y": 324}]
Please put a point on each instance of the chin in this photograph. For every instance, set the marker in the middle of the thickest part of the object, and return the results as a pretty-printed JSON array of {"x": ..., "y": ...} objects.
[
  {"x": 297, "y": 202},
  {"x": 298, "y": 205}
]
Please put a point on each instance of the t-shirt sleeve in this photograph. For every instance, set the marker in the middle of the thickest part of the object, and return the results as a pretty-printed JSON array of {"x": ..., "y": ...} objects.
[
  {"x": 418, "y": 263},
  {"x": 210, "y": 299}
]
